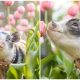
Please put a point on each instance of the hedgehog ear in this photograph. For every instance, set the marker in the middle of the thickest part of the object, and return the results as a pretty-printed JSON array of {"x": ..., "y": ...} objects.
[{"x": 15, "y": 37}]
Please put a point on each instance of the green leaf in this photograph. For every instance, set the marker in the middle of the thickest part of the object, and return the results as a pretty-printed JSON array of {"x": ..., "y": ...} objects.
[{"x": 12, "y": 73}]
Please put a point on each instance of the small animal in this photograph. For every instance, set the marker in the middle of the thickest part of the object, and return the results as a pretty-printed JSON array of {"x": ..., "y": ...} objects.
[
  {"x": 66, "y": 36},
  {"x": 12, "y": 50}
]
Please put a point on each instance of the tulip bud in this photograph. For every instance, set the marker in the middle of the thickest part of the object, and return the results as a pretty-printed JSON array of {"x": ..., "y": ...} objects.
[
  {"x": 46, "y": 5},
  {"x": 42, "y": 28},
  {"x": 1, "y": 16},
  {"x": 30, "y": 7},
  {"x": 31, "y": 15},
  {"x": 17, "y": 15},
  {"x": 73, "y": 10},
  {"x": 24, "y": 22},
  {"x": 21, "y": 9},
  {"x": 8, "y": 3}
]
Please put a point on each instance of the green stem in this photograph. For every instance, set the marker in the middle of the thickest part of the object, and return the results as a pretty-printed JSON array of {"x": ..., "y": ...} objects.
[
  {"x": 32, "y": 22},
  {"x": 46, "y": 19},
  {"x": 40, "y": 60},
  {"x": 32, "y": 38},
  {"x": 8, "y": 12},
  {"x": 50, "y": 72}
]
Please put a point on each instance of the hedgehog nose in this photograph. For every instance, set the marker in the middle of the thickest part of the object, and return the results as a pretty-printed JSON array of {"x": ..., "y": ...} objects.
[
  {"x": 1, "y": 44},
  {"x": 54, "y": 24}
]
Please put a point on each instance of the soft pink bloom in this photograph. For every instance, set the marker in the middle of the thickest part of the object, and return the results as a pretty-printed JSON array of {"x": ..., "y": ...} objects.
[
  {"x": 7, "y": 27},
  {"x": 12, "y": 22},
  {"x": 73, "y": 10},
  {"x": 24, "y": 22},
  {"x": 42, "y": 28},
  {"x": 31, "y": 15},
  {"x": 8, "y": 3},
  {"x": 42, "y": 9},
  {"x": 19, "y": 27},
  {"x": 30, "y": 7},
  {"x": 11, "y": 17},
  {"x": 46, "y": 5},
  {"x": 17, "y": 15},
  {"x": 1, "y": 16},
  {"x": 21, "y": 9},
  {"x": 23, "y": 28}
]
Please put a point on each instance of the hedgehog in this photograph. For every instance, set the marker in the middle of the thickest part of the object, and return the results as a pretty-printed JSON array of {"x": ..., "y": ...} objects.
[
  {"x": 66, "y": 36},
  {"x": 12, "y": 50}
]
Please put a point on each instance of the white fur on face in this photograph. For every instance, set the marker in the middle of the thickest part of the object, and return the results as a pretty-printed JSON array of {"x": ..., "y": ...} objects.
[{"x": 6, "y": 53}]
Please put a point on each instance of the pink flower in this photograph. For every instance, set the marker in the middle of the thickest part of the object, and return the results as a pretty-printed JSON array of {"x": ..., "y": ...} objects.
[
  {"x": 24, "y": 22},
  {"x": 42, "y": 9},
  {"x": 12, "y": 22},
  {"x": 23, "y": 28},
  {"x": 1, "y": 16},
  {"x": 46, "y": 5},
  {"x": 8, "y": 3},
  {"x": 73, "y": 10},
  {"x": 17, "y": 15},
  {"x": 30, "y": 7},
  {"x": 42, "y": 28},
  {"x": 7, "y": 27},
  {"x": 30, "y": 15},
  {"x": 11, "y": 17},
  {"x": 21, "y": 9},
  {"x": 19, "y": 27}
]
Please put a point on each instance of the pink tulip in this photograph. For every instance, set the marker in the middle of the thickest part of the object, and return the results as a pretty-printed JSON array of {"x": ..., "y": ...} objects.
[
  {"x": 46, "y": 5},
  {"x": 12, "y": 22},
  {"x": 24, "y": 22},
  {"x": 1, "y": 16},
  {"x": 31, "y": 15},
  {"x": 30, "y": 7},
  {"x": 73, "y": 10},
  {"x": 11, "y": 17},
  {"x": 8, "y": 3},
  {"x": 17, "y": 15},
  {"x": 42, "y": 28},
  {"x": 22, "y": 28},
  {"x": 42, "y": 9},
  {"x": 21, "y": 9},
  {"x": 7, "y": 27},
  {"x": 19, "y": 27}
]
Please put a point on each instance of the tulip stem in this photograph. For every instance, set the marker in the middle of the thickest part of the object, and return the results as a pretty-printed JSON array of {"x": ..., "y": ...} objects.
[
  {"x": 40, "y": 60},
  {"x": 8, "y": 9},
  {"x": 46, "y": 21},
  {"x": 8, "y": 12}
]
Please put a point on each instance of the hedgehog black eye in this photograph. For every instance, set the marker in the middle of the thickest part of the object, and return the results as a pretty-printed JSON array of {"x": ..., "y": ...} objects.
[
  {"x": 75, "y": 24},
  {"x": 8, "y": 38}
]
